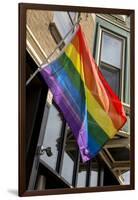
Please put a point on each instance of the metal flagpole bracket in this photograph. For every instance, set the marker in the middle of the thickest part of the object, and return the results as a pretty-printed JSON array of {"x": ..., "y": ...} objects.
[{"x": 33, "y": 75}]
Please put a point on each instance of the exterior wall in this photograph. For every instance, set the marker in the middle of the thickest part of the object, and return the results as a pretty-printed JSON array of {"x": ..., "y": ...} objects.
[
  {"x": 38, "y": 23},
  {"x": 88, "y": 24},
  {"x": 40, "y": 38}
]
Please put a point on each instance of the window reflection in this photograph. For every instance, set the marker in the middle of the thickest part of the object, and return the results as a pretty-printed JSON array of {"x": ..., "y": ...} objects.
[
  {"x": 72, "y": 15},
  {"x": 93, "y": 174},
  {"x": 82, "y": 173},
  {"x": 94, "y": 178},
  {"x": 126, "y": 127},
  {"x": 52, "y": 137},
  {"x": 111, "y": 50},
  {"x": 69, "y": 157},
  {"x": 64, "y": 23},
  {"x": 112, "y": 77},
  {"x": 126, "y": 177}
]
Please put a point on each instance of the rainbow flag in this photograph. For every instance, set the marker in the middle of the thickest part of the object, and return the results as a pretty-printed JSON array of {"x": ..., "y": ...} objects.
[{"x": 89, "y": 105}]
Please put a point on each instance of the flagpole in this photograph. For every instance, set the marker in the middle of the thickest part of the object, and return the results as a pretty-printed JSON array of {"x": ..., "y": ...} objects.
[{"x": 39, "y": 67}]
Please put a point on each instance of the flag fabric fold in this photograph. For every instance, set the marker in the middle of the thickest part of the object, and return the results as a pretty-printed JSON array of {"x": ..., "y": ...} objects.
[{"x": 91, "y": 108}]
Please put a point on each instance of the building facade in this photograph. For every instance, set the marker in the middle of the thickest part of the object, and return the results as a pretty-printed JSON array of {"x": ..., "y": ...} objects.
[{"x": 52, "y": 156}]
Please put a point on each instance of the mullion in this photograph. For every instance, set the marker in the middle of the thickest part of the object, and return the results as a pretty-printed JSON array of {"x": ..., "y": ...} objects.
[
  {"x": 76, "y": 168},
  {"x": 108, "y": 65},
  {"x": 61, "y": 148},
  {"x": 100, "y": 176},
  {"x": 88, "y": 174},
  {"x": 70, "y": 18}
]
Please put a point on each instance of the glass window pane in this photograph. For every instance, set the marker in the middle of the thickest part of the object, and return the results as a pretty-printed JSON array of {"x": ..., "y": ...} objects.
[
  {"x": 126, "y": 178},
  {"x": 69, "y": 158},
  {"x": 94, "y": 173},
  {"x": 72, "y": 15},
  {"x": 111, "y": 50},
  {"x": 52, "y": 136},
  {"x": 63, "y": 24},
  {"x": 126, "y": 127},
  {"x": 81, "y": 182},
  {"x": 127, "y": 84},
  {"x": 94, "y": 177},
  {"x": 112, "y": 77}
]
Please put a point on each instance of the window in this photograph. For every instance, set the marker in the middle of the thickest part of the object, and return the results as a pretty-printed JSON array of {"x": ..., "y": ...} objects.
[
  {"x": 82, "y": 175},
  {"x": 64, "y": 22},
  {"x": 52, "y": 137},
  {"x": 126, "y": 177},
  {"x": 126, "y": 127},
  {"x": 69, "y": 158},
  {"x": 62, "y": 156},
  {"x": 111, "y": 52},
  {"x": 93, "y": 173},
  {"x": 111, "y": 59},
  {"x": 61, "y": 25}
]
